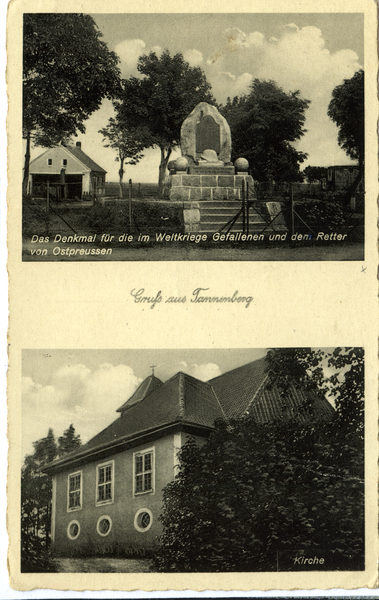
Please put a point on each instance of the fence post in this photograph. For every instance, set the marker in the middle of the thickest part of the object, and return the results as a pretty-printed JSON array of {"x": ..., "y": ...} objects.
[
  {"x": 130, "y": 205},
  {"x": 247, "y": 208},
  {"x": 47, "y": 207},
  {"x": 243, "y": 205},
  {"x": 292, "y": 212}
]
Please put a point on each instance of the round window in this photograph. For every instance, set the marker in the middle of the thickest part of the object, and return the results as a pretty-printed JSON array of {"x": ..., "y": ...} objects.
[
  {"x": 73, "y": 530},
  {"x": 143, "y": 520},
  {"x": 104, "y": 525}
]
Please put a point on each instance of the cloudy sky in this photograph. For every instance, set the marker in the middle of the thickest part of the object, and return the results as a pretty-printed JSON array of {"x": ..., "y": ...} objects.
[
  {"x": 86, "y": 387},
  {"x": 308, "y": 52}
]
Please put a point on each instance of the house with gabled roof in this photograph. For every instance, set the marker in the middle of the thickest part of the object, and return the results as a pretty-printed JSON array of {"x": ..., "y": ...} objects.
[
  {"x": 68, "y": 164},
  {"x": 108, "y": 494}
]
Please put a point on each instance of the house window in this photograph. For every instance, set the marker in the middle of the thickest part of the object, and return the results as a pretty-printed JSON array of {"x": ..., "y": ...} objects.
[
  {"x": 74, "y": 501},
  {"x": 143, "y": 520},
  {"x": 105, "y": 483},
  {"x": 104, "y": 525},
  {"x": 73, "y": 530},
  {"x": 144, "y": 471},
  {"x": 64, "y": 162},
  {"x": 49, "y": 161}
]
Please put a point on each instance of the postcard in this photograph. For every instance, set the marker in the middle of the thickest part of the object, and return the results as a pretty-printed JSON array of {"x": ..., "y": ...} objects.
[
  {"x": 192, "y": 234},
  {"x": 197, "y": 164}
]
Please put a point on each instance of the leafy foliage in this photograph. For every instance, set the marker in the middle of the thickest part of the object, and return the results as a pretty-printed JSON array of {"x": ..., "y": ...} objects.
[
  {"x": 67, "y": 71},
  {"x": 347, "y": 110},
  {"x": 315, "y": 173},
  {"x": 128, "y": 143},
  {"x": 160, "y": 101},
  {"x": 147, "y": 216},
  {"x": 264, "y": 124},
  {"x": 36, "y": 491},
  {"x": 256, "y": 495}
]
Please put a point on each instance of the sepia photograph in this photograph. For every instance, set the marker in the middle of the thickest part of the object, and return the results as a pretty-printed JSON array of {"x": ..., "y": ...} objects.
[
  {"x": 193, "y": 461},
  {"x": 193, "y": 137}
]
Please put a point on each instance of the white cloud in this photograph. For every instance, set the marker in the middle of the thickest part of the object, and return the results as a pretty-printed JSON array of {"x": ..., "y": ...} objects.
[
  {"x": 297, "y": 59},
  {"x": 255, "y": 39},
  {"x": 228, "y": 75},
  {"x": 242, "y": 83},
  {"x": 157, "y": 50},
  {"x": 193, "y": 57},
  {"x": 87, "y": 398},
  {"x": 205, "y": 371},
  {"x": 129, "y": 52}
]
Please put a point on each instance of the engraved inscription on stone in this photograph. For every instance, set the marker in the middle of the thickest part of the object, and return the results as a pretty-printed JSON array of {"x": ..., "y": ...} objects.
[{"x": 207, "y": 135}]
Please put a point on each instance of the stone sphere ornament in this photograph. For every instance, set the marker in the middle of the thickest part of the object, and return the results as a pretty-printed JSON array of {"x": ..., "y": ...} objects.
[
  {"x": 181, "y": 163},
  {"x": 241, "y": 164}
]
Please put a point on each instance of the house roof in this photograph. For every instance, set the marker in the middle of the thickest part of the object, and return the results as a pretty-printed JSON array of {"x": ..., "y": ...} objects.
[
  {"x": 77, "y": 153},
  {"x": 147, "y": 386},
  {"x": 237, "y": 388},
  {"x": 187, "y": 401},
  {"x": 84, "y": 158},
  {"x": 243, "y": 391},
  {"x": 182, "y": 398}
]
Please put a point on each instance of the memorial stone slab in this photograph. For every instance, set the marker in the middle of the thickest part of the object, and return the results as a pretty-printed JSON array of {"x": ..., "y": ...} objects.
[{"x": 205, "y": 129}]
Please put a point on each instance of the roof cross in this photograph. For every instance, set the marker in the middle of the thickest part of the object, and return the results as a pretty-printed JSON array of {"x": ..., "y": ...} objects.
[{"x": 152, "y": 367}]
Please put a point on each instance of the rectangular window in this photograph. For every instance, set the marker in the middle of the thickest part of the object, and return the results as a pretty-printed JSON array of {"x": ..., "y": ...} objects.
[
  {"x": 105, "y": 483},
  {"x": 75, "y": 491},
  {"x": 144, "y": 472},
  {"x": 49, "y": 161},
  {"x": 64, "y": 162}
]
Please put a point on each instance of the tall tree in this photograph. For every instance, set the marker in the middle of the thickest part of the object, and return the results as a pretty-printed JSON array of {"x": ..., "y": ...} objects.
[
  {"x": 264, "y": 124},
  {"x": 67, "y": 71},
  {"x": 69, "y": 441},
  {"x": 128, "y": 144},
  {"x": 347, "y": 110},
  {"x": 257, "y": 495},
  {"x": 36, "y": 492},
  {"x": 160, "y": 101}
]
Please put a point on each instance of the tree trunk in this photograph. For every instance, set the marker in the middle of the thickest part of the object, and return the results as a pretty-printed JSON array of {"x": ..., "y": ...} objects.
[
  {"x": 165, "y": 155},
  {"x": 121, "y": 175},
  {"x": 26, "y": 165}
]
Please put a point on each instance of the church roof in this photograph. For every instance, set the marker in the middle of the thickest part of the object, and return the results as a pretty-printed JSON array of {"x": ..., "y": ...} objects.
[
  {"x": 147, "y": 386},
  {"x": 182, "y": 398},
  {"x": 237, "y": 388},
  {"x": 186, "y": 401}
]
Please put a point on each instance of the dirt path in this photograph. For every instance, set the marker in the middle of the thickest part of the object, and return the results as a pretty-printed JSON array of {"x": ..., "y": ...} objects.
[
  {"x": 193, "y": 252},
  {"x": 103, "y": 565}
]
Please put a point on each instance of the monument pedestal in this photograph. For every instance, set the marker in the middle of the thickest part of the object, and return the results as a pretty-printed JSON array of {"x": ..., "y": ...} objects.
[{"x": 207, "y": 184}]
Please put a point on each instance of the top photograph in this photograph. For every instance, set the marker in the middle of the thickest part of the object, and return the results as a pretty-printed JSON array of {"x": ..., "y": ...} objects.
[{"x": 193, "y": 137}]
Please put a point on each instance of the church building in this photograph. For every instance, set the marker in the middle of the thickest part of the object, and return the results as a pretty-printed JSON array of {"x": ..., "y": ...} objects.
[{"x": 108, "y": 494}]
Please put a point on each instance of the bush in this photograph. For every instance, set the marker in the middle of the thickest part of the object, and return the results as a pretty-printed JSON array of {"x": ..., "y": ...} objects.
[
  {"x": 147, "y": 217},
  {"x": 36, "y": 557},
  {"x": 256, "y": 495},
  {"x": 328, "y": 214}
]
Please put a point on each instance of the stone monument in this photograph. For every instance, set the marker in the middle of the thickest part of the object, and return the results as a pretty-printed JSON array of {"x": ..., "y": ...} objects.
[
  {"x": 204, "y": 175},
  {"x": 205, "y": 129}
]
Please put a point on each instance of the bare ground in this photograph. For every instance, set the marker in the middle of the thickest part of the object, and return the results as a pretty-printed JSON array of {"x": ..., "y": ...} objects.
[{"x": 102, "y": 565}]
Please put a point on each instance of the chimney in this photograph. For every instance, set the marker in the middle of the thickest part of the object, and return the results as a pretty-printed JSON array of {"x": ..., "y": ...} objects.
[{"x": 79, "y": 145}]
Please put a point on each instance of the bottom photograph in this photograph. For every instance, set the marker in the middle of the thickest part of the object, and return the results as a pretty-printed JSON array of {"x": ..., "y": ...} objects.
[{"x": 219, "y": 460}]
